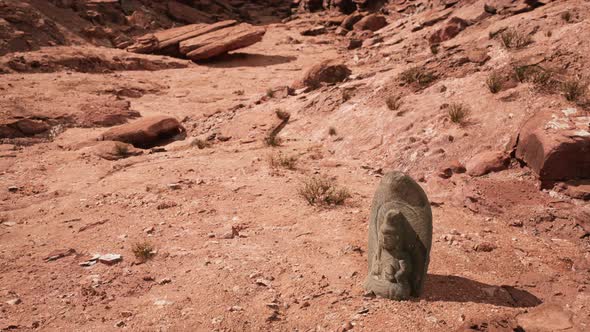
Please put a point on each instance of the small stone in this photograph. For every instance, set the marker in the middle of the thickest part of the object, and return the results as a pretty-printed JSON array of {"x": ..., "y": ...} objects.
[
  {"x": 110, "y": 259},
  {"x": 162, "y": 303},
  {"x": 165, "y": 281},
  {"x": 14, "y": 301},
  {"x": 8, "y": 223},
  {"x": 13, "y": 189},
  {"x": 149, "y": 230},
  {"x": 485, "y": 247},
  {"x": 235, "y": 308},
  {"x": 516, "y": 223},
  {"x": 174, "y": 186},
  {"x": 363, "y": 310},
  {"x": 126, "y": 314},
  {"x": 120, "y": 324},
  {"x": 263, "y": 282}
]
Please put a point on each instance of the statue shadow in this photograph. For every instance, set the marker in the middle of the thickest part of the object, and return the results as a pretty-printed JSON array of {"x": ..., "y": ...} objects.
[
  {"x": 448, "y": 288},
  {"x": 238, "y": 59}
]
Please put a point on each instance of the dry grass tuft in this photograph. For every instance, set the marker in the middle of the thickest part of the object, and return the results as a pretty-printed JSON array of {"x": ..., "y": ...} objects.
[
  {"x": 270, "y": 93},
  {"x": 417, "y": 75},
  {"x": 494, "y": 82},
  {"x": 332, "y": 131},
  {"x": 201, "y": 144},
  {"x": 143, "y": 251},
  {"x": 322, "y": 192},
  {"x": 279, "y": 160},
  {"x": 513, "y": 38},
  {"x": 574, "y": 89},
  {"x": 566, "y": 16},
  {"x": 121, "y": 150},
  {"x": 458, "y": 113}
]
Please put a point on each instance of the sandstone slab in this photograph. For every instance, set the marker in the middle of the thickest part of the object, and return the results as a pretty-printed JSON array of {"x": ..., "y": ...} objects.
[{"x": 147, "y": 132}]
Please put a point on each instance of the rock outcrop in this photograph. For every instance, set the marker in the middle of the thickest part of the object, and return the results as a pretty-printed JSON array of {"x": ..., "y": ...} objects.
[
  {"x": 556, "y": 145},
  {"x": 199, "y": 41},
  {"x": 449, "y": 31},
  {"x": 147, "y": 132}
]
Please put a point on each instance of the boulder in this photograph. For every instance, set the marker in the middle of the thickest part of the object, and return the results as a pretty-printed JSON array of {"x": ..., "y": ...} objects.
[
  {"x": 350, "y": 21},
  {"x": 221, "y": 41},
  {"x": 579, "y": 189},
  {"x": 328, "y": 71},
  {"x": 487, "y": 162},
  {"x": 545, "y": 318},
  {"x": 556, "y": 145},
  {"x": 371, "y": 22},
  {"x": 314, "y": 31},
  {"x": 449, "y": 31},
  {"x": 147, "y": 132}
]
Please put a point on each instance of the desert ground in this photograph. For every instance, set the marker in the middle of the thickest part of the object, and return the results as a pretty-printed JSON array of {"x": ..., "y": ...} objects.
[{"x": 229, "y": 243}]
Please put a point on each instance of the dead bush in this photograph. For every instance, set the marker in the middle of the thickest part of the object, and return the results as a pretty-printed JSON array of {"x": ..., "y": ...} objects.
[
  {"x": 200, "y": 144},
  {"x": 513, "y": 38},
  {"x": 573, "y": 89},
  {"x": 322, "y": 192},
  {"x": 417, "y": 75},
  {"x": 494, "y": 82},
  {"x": 280, "y": 161},
  {"x": 143, "y": 251},
  {"x": 393, "y": 102},
  {"x": 458, "y": 113}
]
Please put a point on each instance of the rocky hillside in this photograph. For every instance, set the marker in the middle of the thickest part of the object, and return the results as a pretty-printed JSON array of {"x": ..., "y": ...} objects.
[{"x": 158, "y": 161}]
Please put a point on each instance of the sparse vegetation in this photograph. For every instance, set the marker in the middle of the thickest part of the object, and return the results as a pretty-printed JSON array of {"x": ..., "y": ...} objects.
[
  {"x": 270, "y": 93},
  {"x": 521, "y": 73},
  {"x": 543, "y": 80},
  {"x": 494, "y": 82},
  {"x": 458, "y": 113},
  {"x": 201, "y": 144},
  {"x": 434, "y": 48},
  {"x": 417, "y": 75},
  {"x": 393, "y": 102},
  {"x": 239, "y": 92},
  {"x": 279, "y": 160},
  {"x": 143, "y": 251},
  {"x": 347, "y": 94},
  {"x": 513, "y": 38},
  {"x": 323, "y": 192},
  {"x": 332, "y": 131},
  {"x": 566, "y": 16},
  {"x": 574, "y": 89},
  {"x": 121, "y": 150}
]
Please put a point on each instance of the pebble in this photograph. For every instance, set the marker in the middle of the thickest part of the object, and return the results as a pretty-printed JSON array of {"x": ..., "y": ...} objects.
[
  {"x": 110, "y": 259},
  {"x": 174, "y": 186},
  {"x": 162, "y": 303},
  {"x": 13, "y": 189},
  {"x": 165, "y": 281},
  {"x": 14, "y": 301}
]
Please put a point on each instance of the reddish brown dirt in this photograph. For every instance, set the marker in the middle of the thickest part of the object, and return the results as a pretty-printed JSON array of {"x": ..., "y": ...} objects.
[{"x": 293, "y": 267}]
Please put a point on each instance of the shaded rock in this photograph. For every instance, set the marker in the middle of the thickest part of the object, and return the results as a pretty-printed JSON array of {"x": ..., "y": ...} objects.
[
  {"x": 489, "y": 9},
  {"x": 452, "y": 167},
  {"x": 105, "y": 113},
  {"x": 556, "y": 145},
  {"x": 110, "y": 259},
  {"x": 371, "y": 22},
  {"x": 487, "y": 162},
  {"x": 328, "y": 71},
  {"x": 354, "y": 44},
  {"x": 449, "y": 31},
  {"x": 545, "y": 318},
  {"x": 579, "y": 189},
  {"x": 350, "y": 21},
  {"x": 111, "y": 150},
  {"x": 340, "y": 31},
  {"x": 221, "y": 41},
  {"x": 147, "y": 132},
  {"x": 478, "y": 56},
  {"x": 314, "y": 31},
  {"x": 485, "y": 247},
  {"x": 187, "y": 14}
]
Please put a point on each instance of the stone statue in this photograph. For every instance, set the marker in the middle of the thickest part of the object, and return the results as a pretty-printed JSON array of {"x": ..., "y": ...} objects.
[{"x": 400, "y": 237}]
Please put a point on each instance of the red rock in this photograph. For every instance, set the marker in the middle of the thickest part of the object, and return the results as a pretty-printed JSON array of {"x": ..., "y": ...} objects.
[
  {"x": 327, "y": 71},
  {"x": 350, "y": 21},
  {"x": 579, "y": 189},
  {"x": 478, "y": 56},
  {"x": 487, "y": 162},
  {"x": 546, "y": 318},
  {"x": 188, "y": 14},
  {"x": 147, "y": 132},
  {"x": 453, "y": 167},
  {"x": 485, "y": 247},
  {"x": 221, "y": 41},
  {"x": 449, "y": 31},
  {"x": 371, "y": 22},
  {"x": 556, "y": 145},
  {"x": 314, "y": 31}
]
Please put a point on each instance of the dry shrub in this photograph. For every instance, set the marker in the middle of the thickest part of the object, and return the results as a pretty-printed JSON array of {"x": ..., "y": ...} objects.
[
  {"x": 494, "y": 82},
  {"x": 280, "y": 161},
  {"x": 201, "y": 144},
  {"x": 573, "y": 89},
  {"x": 513, "y": 38},
  {"x": 458, "y": 113},
  {"x": 143, "y": 251},
  {"x": 322, "y": 192},
  {"x": 417, "y": 75}
]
